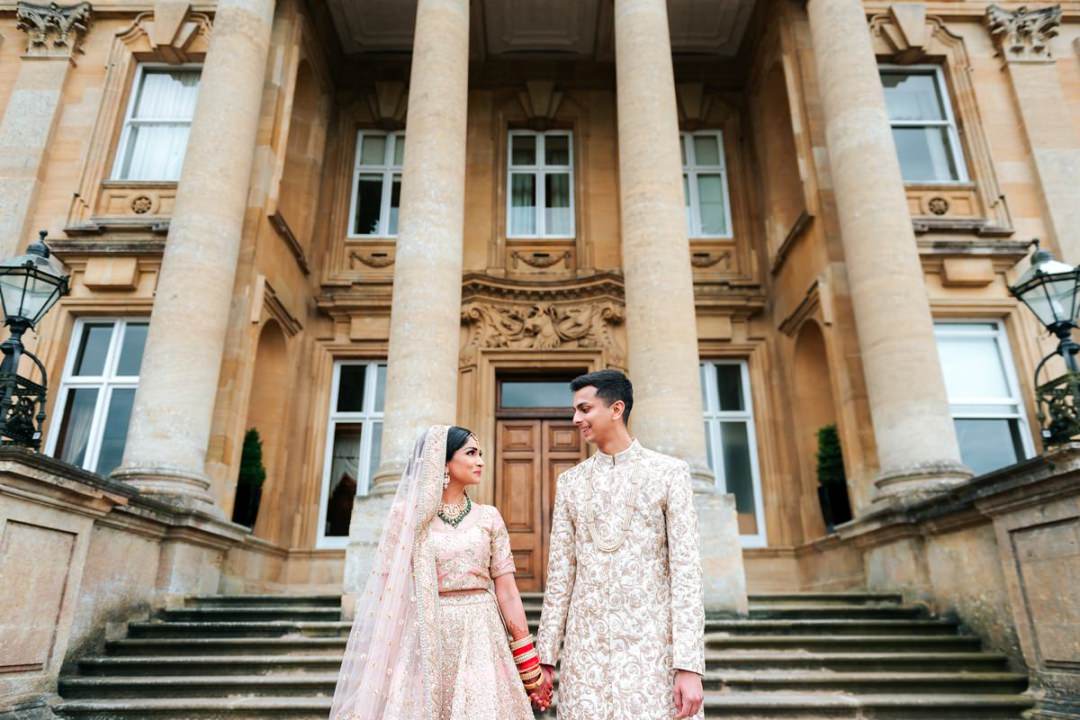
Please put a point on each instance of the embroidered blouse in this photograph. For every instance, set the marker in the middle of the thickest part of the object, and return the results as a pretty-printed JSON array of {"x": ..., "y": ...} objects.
[{"x": 474, "y": 553}]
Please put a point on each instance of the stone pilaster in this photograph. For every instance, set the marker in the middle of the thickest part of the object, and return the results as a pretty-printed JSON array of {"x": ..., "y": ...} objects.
[
  {"x": 422, "y": 368},
  {"x": 661, "y": 324},
  {"x": 1023, "y": 38},
  {"x": 916, "y": 442},
  {"x": 53, "y": 33},
  {"x": 174, "y": 405}
]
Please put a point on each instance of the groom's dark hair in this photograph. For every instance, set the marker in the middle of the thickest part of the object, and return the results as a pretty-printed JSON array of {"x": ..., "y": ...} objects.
[{"x": 611, "y": 386}]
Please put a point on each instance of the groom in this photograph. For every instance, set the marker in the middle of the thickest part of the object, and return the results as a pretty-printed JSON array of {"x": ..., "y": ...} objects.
[{"x": 623, "y": 595}]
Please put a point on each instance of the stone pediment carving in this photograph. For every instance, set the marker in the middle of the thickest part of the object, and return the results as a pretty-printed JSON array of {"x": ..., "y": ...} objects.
[
  {"x": 1024, "y": 34},
  {"x": 511, "y": 316},
  {"x": 53, "y": 29}
]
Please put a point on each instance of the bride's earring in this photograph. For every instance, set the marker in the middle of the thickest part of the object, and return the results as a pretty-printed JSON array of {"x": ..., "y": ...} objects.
[{"x": 446, "y": 480}]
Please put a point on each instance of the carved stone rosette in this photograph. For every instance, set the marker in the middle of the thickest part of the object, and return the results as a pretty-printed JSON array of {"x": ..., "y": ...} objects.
[
  {"x": 53, "y": 29},
  {"x": 540, "y": 319},
  {"x": 1023, "y": 34}
]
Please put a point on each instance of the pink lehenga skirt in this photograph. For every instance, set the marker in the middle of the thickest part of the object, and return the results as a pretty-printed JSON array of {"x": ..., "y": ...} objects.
[{"x": 478, "y": 680}]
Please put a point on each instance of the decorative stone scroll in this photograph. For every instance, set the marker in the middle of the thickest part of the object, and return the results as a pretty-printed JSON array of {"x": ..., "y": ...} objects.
[
  {"x": 53, "y": 30},
  {"x": 388, "y": 103},
  {"x": 542, "y": 326},
  {"x": 1024, "y": 35},
  {"x": 540, "y": 100},
  {"x": 502, "y": 314}
]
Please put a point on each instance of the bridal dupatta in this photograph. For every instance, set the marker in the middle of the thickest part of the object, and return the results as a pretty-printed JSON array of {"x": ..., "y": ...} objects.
[{"x": 391, "y": 658}]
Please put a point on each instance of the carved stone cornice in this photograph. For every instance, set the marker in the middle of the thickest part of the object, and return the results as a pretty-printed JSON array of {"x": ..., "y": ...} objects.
[
  {"x": 1024, "y": 35},
  {"x": 479, "y": 286},
  {"x": 53, "y": 30},
  {"x": 506, "y": 315}
]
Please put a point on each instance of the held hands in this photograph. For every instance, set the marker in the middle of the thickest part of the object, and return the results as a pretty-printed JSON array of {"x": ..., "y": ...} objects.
[
  {"x": 688, "y": 693},
  {"x": 541, "y": 697}
]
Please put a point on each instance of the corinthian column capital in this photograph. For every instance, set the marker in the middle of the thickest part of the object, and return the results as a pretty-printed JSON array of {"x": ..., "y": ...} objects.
[
  {"x": 1023, "y": 35},
  {"x": 53, "y": 30}
]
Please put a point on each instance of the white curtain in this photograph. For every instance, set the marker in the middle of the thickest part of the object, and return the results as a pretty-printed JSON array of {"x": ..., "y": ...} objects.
[
  {"x": 522, "y": 204},
  {"x": 158, "y": 128},
  {"x": 78, "y": 416},
  {"x": 558, "y": 219}
]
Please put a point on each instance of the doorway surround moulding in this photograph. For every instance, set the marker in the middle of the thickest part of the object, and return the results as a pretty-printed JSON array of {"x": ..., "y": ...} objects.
[
  {"x": 729, "y": 257},
  {"x": 383, "y": 107},
  {"x": 907, "y": 35},
  {"x": 301, "y": 52},
  {"x": 539, "y": 105},
  {"x": 171, "y": 34}
]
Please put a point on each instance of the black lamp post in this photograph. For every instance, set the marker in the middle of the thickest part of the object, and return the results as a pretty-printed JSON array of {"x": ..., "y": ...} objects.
[
  {"x": 30, "y": 285},
  {"x": 1051, "y": 290}
]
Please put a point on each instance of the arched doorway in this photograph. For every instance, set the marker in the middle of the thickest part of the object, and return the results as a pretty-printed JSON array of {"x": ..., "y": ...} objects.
[
  {"x": 815, "y": 410},
  {"x": 266, "y": 409}
]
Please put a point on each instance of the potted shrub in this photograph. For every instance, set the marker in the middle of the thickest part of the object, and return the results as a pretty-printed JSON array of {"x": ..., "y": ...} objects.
[
  {"x": 250, "y": 481},
  {"x": 832, "y": 482}
]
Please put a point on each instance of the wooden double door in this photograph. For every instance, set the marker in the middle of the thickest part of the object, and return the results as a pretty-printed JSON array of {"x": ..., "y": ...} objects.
[{"x": 530, "y": 454}]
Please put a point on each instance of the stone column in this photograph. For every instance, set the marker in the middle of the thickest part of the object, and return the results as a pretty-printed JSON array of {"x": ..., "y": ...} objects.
[
  {"x": 425, "y": 321},
  {"x": 170, "y": 423},
  {"x": 1023, "y": 37},
  {"x": 54, "y": 33},
  {"x": 916, "y": 442},
  {"x": 661, "y": 322}
]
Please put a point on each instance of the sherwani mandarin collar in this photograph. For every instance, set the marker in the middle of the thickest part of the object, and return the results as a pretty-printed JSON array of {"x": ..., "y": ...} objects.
[{"x": 633, "y": 452}]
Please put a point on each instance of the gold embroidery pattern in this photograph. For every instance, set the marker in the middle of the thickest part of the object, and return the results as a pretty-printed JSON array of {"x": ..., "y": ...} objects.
[{"x": 638, "y": 607}]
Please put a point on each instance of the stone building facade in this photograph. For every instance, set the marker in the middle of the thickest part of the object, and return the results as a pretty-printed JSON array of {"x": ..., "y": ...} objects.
[{"x": 338, "y": 222}]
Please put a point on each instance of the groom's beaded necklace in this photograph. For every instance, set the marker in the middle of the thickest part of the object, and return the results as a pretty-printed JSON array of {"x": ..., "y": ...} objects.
[
  {"x": 610, "y": 544},
  {"x": 452, "y": 515}
]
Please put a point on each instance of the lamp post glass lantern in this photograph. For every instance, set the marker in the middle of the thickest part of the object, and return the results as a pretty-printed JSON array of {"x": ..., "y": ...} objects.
[
  {"x": 30, "y": 285},
  {"x": 1051, "y": 290}
]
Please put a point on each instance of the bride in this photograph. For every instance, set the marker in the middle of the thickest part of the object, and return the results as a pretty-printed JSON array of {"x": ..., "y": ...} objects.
[{"x": 429, "y": 639}]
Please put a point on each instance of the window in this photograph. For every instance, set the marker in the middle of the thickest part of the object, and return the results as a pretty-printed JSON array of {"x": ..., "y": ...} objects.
[
  {"x": 97, "y": 392},
  {"x": 353, "y": 442},
  {"x": 705, "y": 188},
  {"x": 731, "y": 443},
  {"x": 540, "y": 196},
  {"x": 157, "y": 123},
  {"x": 984, "y": 397},
  {"x": 376, "y": 194},
  {"x": 923, "y": 126}
]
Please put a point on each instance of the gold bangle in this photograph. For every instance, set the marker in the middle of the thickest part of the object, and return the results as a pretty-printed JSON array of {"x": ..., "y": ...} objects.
[
  {"x": 524, "y": 657},
  {"x": 529, "y": 672},
  {"x": 529, "y": 685},
  {"x": 530, "y": 675},
  {"x": 522, "y": 642}
]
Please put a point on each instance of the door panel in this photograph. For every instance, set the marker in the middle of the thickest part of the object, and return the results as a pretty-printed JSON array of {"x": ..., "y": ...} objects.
[{"x": 529, "y": 458}]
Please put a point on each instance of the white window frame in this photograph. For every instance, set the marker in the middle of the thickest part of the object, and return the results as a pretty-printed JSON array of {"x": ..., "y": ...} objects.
[
  {"x": 1016, "y": 399},
  {"x": 691, "y": 169},
  {"x": 956, "y": 150},
  {"x": 713, "y": 417},
  {"x": 105, "y": 384},
  {"x": 367, "y": 417},
  {"x": 540, "y": 171},
  {"x": 129, "y": 120},
  {"x": 388, "y": 170}
]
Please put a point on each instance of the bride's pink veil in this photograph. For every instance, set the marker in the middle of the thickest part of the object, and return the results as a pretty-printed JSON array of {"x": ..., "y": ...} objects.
[{"x": 391, "y": 658}]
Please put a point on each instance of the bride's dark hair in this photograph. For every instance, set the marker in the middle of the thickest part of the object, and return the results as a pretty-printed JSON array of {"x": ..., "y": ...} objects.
[{"x": 456, "y": 438}]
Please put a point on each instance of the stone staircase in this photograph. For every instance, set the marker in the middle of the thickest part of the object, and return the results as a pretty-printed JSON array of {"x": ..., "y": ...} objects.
[{"x": 806, "y": 656}]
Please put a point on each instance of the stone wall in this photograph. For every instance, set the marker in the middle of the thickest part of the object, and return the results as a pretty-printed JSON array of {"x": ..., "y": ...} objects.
[{"x": 80, "y": 556}]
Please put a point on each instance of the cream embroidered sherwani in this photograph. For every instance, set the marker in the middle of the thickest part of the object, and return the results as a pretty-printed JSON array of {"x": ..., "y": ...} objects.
[{"x": 626, "y": 618}]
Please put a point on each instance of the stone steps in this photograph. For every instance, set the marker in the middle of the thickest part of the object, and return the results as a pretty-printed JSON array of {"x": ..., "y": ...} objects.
[{"x": 804, "y": 656}]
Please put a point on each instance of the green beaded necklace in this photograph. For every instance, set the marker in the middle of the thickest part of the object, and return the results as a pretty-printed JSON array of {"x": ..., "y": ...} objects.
[{"x": 456, "y": 519}]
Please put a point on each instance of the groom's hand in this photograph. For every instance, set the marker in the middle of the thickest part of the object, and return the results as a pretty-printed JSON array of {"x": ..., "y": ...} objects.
[
  {"x": 541, "y": 697},
  {"x": 688, "y": 693}
]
